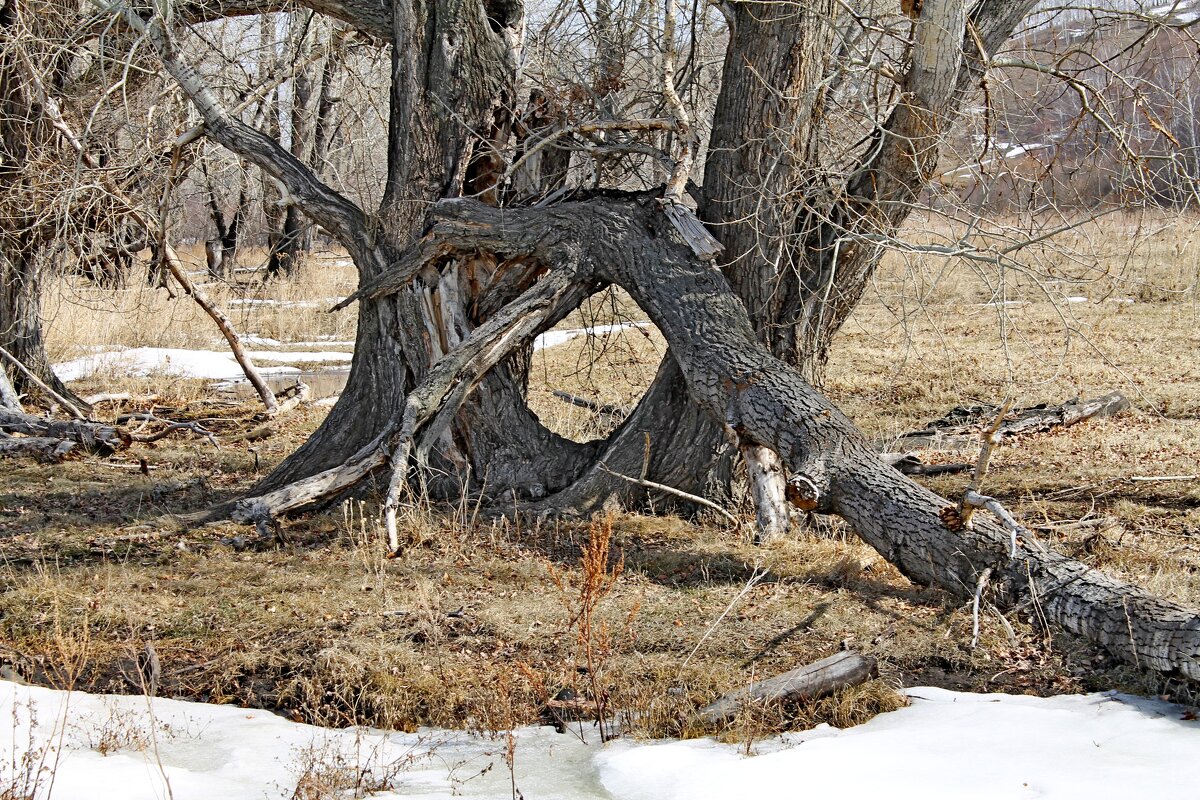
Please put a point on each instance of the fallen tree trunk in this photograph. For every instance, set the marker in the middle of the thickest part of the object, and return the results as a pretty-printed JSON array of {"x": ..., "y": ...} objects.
[
  {"x": 92, "y": 437},
  {"x": 812, "y": 681},
  {"x": 961, "y": 426},
  {"x": 762, "y": 401},
  {"x": 49, "y": 450}
]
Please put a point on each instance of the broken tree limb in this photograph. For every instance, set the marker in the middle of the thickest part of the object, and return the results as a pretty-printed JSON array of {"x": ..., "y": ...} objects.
[
  {"x": 290, "y": 399},
  {"x": 592, "y": 405},
  {"x": 961, "y": 426},
  {"x": 90, "y": 436},
  {"x": 911, "y": 464},
  {"x": 224, "y": 325},
  {"x": 9, "y": 399},
  {"x": 51, "y": 451},
  {"x": 809, "y": 682}
]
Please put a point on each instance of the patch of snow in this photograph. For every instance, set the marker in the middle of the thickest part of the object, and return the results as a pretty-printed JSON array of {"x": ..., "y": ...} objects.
[
  {"x": 263, "y": 341},
  {"x": 555, "y": 338},
  {"x": 1025, "y": 148},
  {"x": 210, "y": 364},
  {"x": 944, "y": 745},
  {"x": 1077, "y": 300}
]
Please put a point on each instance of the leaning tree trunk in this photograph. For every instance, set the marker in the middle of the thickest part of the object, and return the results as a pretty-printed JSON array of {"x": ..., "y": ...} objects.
[{"x": 763, "y": 402}]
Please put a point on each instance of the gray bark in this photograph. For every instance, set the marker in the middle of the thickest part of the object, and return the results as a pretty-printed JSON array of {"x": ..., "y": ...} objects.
[
  {"x": 810, "y": 682},
  {"x": 832, "y": 468}
]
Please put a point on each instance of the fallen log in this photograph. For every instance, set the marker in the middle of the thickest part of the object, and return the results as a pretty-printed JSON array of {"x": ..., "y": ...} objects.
[
  {"x": 608, "y": 409},
  {"x": 911, "y": 464},
  {"x": 93, "y": 437},
  {"x": 962, "y": 425},
  {"x": 809, "y": 682},
  {"x": 44, "y": 449}
]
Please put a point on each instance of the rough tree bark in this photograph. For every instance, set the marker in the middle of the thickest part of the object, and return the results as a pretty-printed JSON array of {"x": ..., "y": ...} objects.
[
  {"x": 765, "y": 402},
  {"x": 23, "y": 131},
  {"x": 442, "y": 317}
]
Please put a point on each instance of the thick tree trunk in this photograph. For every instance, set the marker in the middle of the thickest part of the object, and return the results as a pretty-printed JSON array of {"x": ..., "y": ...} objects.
[
  {"x": 832, "y": 469},
  {"x": 21, "y": 318},
  {"x": 439, "y": 97}
]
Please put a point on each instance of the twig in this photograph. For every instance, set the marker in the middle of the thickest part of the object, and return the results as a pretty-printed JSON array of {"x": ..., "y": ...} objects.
[
  {"x": 676, "y": 492},
  {"x": 973, "y": 500},
  {"x": 980, "y": 585},
  {"x": 755, "y": 577},
  {"x": 1162, "y": 478}
]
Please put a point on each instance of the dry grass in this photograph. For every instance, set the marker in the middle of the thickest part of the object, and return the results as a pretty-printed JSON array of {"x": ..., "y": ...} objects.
[
  {"x": 467, "y": 627},
  {"x": 81, "y": 316}
]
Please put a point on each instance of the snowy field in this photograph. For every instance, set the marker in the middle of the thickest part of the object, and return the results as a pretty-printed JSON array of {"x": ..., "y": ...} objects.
[{"x": 944, "y": 745}]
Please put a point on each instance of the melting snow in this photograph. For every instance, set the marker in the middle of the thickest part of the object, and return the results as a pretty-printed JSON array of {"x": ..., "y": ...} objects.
[
  {"x": 555, "y": 338},
  {"x": 945, "y": 745},
  {"x": 210, "y": 364}
]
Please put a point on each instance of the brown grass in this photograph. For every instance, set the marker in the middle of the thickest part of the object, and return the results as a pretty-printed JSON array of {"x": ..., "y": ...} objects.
[{"x": 467, "y": 627}]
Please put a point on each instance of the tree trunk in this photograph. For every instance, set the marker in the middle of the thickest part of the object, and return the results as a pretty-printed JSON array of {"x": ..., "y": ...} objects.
[
  {"x": 447, "y": 309},
  {"x": 21, "y": 318},
  {"x": 764, "y": 402},
  {"x": 22, "y": 130}
]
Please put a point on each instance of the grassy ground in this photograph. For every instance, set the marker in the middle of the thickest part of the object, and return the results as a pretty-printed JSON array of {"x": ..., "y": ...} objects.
[{"x": 477, "y": 623}]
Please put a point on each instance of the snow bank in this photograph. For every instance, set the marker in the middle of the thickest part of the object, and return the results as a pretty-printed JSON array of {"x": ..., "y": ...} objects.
[
  {"x": 945, "y": 745},
  {"x": 210, "y": 364}
]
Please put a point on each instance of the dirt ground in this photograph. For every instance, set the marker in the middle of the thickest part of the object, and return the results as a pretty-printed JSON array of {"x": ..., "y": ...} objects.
[{"x": 476, "y": 623}]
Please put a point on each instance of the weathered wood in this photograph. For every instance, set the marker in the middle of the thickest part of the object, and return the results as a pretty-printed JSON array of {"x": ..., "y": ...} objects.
[
  {"x": 40, "y": 447},
  {"x": 809, "y": 682},
  {"x": 35, "y": 380},
  {"x": 9, "y": 399},
  {"x": 911, "y": 464},
  {"x": 90, "y": 436},
  {"x": 961, "y": 426},
  {"x": 768, "y": 485},
  {"x": 607, "y": 409}
]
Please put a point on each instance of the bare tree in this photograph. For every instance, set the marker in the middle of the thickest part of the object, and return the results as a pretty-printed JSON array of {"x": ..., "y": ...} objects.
[{"x": 829, "y": 125}]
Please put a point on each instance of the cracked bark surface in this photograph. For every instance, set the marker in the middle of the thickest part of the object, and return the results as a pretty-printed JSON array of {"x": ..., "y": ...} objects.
[
  {"x": 832, "y": 467},
  {"x": 443, "y": 316}
]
